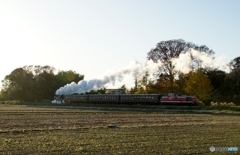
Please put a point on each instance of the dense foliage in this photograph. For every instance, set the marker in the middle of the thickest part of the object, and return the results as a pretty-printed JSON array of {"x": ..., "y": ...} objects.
[
  {"x": 31, "y": 83},
  {"x": 165, "y": 51},
  {"x": 206, "y": 83},
  {"x": 199, "y": 84}
]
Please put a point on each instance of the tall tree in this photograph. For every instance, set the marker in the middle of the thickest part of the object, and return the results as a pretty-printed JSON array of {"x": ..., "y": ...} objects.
[
  {"x": 46, "y": 85},
  {"x": 142, "y": 84},
  {"x": 199, "y": 84},
  {"x": 232, "y": 82},
  {"x": 180, "y": 84},
  {"x": 163, "y": 84},
  {"x": 17, "y": 85},
  {"x": 235, "y": 63},
  {"x": 217, "y": 78},
  {"x": 165, "y": 51},
  {"x": 235, "y": 66},
  {"x": 65, "y": 77}
]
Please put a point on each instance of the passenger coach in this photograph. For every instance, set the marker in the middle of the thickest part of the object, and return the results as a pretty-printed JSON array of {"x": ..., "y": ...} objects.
[{"x": 141, "y": 98}]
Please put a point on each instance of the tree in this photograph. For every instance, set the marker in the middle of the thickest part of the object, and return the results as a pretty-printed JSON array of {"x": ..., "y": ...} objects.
[
  {"x": 199, "y": 84},
  {"x": 102, "y": 90},
  {"x": 124, "y": 89},
  {"x": 133, "y": 90},
  {"x": 162, "y": 85},
  {"x": 46, "y": 85},
  {"x": 65, "y": 77},
  {"x": 165, "y": 51},
  {"x": 235, "y": 66},
  {"x": 140, "y": 90},
  {"x": 217, "y": 78},
  {"x": 232, "y": 82},
  {"x": 18, "y": 85},
  {"x": 235, "y": 63},
  {"x": 180, "y": 84},
  {"x": 142, "y": 84},
  {"x": 31, "y": 83}
]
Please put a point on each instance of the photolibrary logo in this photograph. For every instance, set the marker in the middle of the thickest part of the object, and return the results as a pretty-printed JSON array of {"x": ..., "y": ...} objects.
[{"x": 212, "y": 149}]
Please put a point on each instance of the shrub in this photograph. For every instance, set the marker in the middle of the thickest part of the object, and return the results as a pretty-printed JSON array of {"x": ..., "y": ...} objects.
[
  {"x": 200, "y": 103},
  {"x": 231, "y": 104},
  {"x": 214, "y": 104},
  {"x": 222, "y": 104},
  {"x": 10, "y": 102}
]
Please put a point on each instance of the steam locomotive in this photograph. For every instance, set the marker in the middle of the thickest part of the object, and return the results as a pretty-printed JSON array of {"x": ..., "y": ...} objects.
[{"x": 171, "y": 98}]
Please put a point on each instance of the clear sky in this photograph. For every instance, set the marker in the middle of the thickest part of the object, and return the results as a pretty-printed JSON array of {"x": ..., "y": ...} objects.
[{"x": 92, "y": 36}]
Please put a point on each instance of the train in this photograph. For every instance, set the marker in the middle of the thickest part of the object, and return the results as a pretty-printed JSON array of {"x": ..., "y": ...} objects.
[{"x": 171, "y": 98}]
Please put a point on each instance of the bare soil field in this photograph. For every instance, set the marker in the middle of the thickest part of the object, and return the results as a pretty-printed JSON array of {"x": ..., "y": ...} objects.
[{"x": 34, "y": 129}]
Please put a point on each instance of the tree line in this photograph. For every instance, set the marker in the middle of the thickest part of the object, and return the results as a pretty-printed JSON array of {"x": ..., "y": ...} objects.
[
  {"x": 207, "y": 83},
  {"x": 35, "y": 83}
]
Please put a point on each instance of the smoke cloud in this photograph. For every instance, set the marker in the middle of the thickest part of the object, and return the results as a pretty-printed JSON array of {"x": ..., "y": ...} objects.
[
  {"x": 201, "y": 59},
  {"x": 183, "y": 63},
  {"x": 134, "y": 68}
]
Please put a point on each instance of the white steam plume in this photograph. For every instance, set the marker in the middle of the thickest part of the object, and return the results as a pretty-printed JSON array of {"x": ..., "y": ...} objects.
[
  {"x": 184, "y": 61},
  {"x": 135, "y": 68}
]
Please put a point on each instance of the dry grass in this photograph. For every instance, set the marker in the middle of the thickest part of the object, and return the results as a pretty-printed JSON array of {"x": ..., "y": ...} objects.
[{"x": 93, "y": 130}]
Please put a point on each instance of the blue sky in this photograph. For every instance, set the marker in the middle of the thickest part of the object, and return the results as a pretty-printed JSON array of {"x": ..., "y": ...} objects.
[{"x": 92, "y": 36}]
